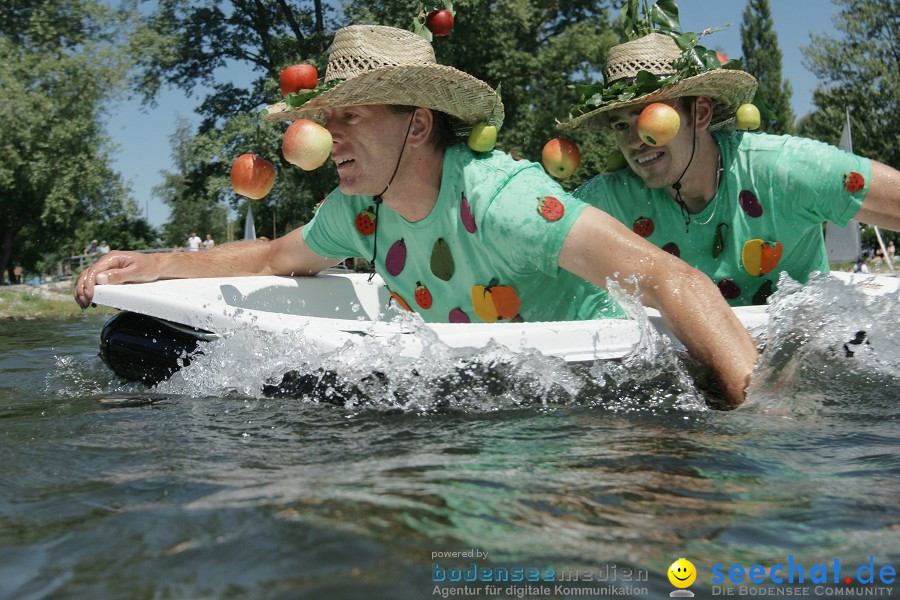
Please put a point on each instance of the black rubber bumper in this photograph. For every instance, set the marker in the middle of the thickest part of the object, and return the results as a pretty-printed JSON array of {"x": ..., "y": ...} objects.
[{"x": 142, "y": 348}]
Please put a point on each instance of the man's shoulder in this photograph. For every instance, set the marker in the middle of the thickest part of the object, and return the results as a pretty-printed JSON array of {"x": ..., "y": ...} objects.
[
  {"x": 608, "y": 187},
  {"x": 485, "y": 174},
  {"x": 494, "y": 160},
  {"x": 746, "y": 141}
]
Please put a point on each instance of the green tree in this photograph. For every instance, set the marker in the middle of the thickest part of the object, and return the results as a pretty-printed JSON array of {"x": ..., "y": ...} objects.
[
  {"x": 186, "y": 44},
  {"x": 58, "y": 65},
  {"x": 762, "y": 57},
  {"x": 859, "y": 70},
  {"x": 193, "y": 191}
]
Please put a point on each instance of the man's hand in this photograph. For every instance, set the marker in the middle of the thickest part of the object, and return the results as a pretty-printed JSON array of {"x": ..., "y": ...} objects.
[
  {"x": 116, "y": 267},
  {"x": 599, "y": 247}
]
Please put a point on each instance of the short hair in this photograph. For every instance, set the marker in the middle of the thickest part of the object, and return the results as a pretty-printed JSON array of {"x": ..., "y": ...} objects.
[{"x": 443, "y": 133}]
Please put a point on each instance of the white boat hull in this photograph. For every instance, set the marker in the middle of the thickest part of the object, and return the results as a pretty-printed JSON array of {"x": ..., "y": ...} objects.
[{"x": 334, "y": 309}]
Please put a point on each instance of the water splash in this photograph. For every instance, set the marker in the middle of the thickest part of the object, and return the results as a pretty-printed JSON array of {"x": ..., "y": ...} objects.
[
  {"x": 826, "y": 338},
  {"x": 368, "y": 373}
]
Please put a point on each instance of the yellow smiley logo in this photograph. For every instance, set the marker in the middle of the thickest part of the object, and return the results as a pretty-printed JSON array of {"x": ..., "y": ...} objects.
[{"x": 682, "y": 573}]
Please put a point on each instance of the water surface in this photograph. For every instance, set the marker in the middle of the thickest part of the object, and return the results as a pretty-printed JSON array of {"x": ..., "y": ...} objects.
[{"x": 205, "y": 487}]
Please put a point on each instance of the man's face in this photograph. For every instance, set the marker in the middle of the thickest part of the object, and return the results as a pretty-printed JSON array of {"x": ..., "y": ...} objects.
[
  {"x": 658, "y": 166},
  {"x": 367, "y": 141}
]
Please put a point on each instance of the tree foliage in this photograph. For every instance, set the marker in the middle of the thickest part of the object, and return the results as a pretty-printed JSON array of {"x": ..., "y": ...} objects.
[
  {"x": 762, "y": 57},
  {"x": 185, "y": 44},
  {"x": 859, "y": 70},
  {"x": 58, "y": 66}
]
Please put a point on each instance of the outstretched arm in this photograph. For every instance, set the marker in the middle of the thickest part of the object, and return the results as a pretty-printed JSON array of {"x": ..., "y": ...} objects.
[
  {"x": 881, "y": 206},
  {"x": 599, "y": 247},
  {"x": 288, "y": 255}
]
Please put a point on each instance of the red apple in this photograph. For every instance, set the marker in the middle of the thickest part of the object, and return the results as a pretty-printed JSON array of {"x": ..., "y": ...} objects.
[
  {"x": 252, "y": 176},
  {"x": 439, "y": 22},
  {"x": 722, "y": 58},
  {"x": 658, "y": 124},
  {"x": 306, "y": 144},
  {"x": 298, "y": 77},
  {"x": 560, "y": 157}
]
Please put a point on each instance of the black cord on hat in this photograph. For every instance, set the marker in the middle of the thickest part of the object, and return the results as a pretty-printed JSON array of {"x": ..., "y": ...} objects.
[{"x": 378, "y": 199}]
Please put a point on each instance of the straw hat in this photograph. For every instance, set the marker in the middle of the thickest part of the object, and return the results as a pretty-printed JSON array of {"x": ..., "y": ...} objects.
[
  {"x": 656, "y": 53},
  {"x": 373, "y": 64}
]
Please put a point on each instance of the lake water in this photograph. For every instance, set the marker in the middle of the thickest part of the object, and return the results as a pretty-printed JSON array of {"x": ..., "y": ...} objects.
[{"x": 204, "y": 487}]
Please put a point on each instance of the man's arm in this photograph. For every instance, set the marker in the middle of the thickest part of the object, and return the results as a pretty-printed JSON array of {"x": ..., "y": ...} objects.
[
  {"x": 599, "y": 247},
  {"x": 287, "y": 255},
  {"x": 881, "y": 206}
]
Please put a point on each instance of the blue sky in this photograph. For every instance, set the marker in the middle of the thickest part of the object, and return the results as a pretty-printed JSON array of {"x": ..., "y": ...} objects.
[{"x": 143, "y": 134}]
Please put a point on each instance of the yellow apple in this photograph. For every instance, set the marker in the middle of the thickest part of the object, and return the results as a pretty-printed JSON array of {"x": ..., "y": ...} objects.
[
  {"x": 306, "y": 144},
  {"x": 747, "y": 117},
  {"x": 658, "y": 124},
  {"x": 560, "y": 157},
  {"x": 483, "y": 137},
  {"x": 252, "y": 176}
]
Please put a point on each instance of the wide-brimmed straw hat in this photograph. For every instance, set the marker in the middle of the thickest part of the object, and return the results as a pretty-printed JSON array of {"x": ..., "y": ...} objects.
[
  {"x": 373, "y": 64},
  {"x": 656, "y": 53}
]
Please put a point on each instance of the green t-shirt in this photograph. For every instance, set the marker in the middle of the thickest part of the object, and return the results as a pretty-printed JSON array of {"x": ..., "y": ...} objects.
[
  {"x": 486, "y": 252},
  {"x": 774, "y": 195}
]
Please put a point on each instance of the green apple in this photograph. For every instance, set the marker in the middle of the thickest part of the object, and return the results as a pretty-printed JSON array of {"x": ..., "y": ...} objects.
[
  {"x": 560, "y": 156},
  {"x": 306, "y": 144},
  {"x": 658, "y": 124},
  {"x": 615, "y": 160},
  {"x": 747, "y": 117},
  {"x": 483, "y": 137}
]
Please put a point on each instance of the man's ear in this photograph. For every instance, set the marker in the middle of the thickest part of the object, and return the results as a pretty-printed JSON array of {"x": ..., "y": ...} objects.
[
  {"x": 704, "y": 111},
  {"x": 422, "y": 124}
]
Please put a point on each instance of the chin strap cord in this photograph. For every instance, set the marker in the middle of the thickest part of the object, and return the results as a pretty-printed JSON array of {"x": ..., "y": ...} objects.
[
  {"x": 377, "y": 200},
  {"x": 677, "y": 185}
]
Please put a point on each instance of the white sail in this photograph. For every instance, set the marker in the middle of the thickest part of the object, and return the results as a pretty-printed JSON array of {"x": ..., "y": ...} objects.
[
  {"x": 842, "y": 243},
  {"x": 249, "y": 226}
]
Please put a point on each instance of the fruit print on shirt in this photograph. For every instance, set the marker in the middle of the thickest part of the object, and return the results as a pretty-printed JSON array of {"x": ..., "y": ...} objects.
[
  {"x": 423, "y": 297},
  {"x": 750, "y": 204},
  {"x": 643, "y": 226},
  {"x": 853, "y": 182},
  {"x": 396, "y": 258},
  {"x": 465, "y": 213},
  {"x": 550, "y": 208},
  {"x": 495, "y": 302},
  {"x": 760, "y": 257},
  {"x": 442, "y": 261},
  {"x": 401, "y": 302},
  {"x": 673, "y": 249},
  {"x": 365, "y": 221}
]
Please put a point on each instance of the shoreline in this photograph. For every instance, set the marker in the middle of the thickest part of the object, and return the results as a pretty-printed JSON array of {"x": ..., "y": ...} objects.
[{"x": 51, "y": 300}]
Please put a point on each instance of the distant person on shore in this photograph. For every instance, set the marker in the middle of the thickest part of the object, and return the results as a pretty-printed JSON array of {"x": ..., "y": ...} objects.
[
  {"x": 209, "y": 243},
  {"x": 91, "y": 248},
  {"x": 878, "y": 257},
  {"x": 103, "y": 248},
  {"x": 194, "y": 242},
  {"x": 891, "y": 252}
]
